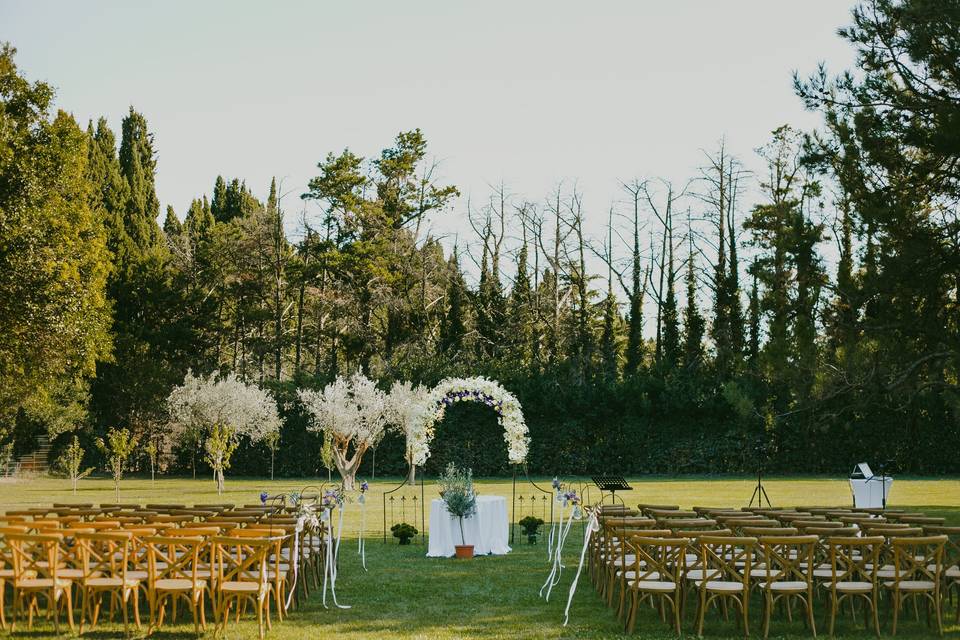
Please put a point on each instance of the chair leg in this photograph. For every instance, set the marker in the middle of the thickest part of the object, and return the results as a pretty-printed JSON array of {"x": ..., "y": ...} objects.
[
  {"x": 767, "y": 605},
  {"x": 896, "y": 612},
  {"x": 809, "y": 603}
]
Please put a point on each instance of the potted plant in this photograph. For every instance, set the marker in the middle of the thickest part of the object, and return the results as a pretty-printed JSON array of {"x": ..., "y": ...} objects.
[
  {"x": 457, "y": 491},
  {"x": 531, "y": 526},
  {"x": 404, "y": 532}
]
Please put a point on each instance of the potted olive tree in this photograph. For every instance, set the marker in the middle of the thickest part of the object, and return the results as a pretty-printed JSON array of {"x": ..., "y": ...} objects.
[{"x": 456, "y": 489}]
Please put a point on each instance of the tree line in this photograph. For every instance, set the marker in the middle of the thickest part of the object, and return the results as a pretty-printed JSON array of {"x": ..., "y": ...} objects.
[{"x": 805, "y": 315}]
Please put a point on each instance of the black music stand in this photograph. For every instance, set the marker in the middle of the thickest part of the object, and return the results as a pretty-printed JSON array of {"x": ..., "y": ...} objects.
[{"x": 611, "y": 484}]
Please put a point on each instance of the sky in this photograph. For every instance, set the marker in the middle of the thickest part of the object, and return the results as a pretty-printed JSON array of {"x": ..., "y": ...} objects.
[{"x": 525, "y": 93}]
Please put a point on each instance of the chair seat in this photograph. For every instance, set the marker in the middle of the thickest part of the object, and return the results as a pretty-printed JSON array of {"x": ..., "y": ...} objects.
[
  {"x": 724, "y": 586},
  {"x": 176, "y": 584},
  {"x": 953, "y": 573},
  {"x": 851, "y": 586},
  {"x": 763, "y": 573},
  {"x": 653, "y": 585},
  {"x": 42, "y": 583},
  {"x": 912, "y": 585},
  {"x": 110, "y": 583},
  {"x": 6, "y": 573},
  {"x": 137, "y": 575},
  {"x": 698, "y": 575},
  {"x": 785, "y": 586},
  {"x": 70, "y": 574},
  {"x": 624, "y": 560},
  {"x": 244, "y": 587}
]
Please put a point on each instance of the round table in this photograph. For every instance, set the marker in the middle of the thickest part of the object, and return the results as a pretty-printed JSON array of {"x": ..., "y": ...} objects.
[{"x": 487, "y": 529}]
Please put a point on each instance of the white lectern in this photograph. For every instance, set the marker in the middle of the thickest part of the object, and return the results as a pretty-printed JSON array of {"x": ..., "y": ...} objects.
[{"x": 869, "y": 491}]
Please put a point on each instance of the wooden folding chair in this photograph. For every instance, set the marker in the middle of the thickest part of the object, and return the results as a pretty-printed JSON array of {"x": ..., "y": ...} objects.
[
  {"x": 174, "y": 574},
  {"x": 726, "y": 562},
  {"x": 36, "y": 562},
  {"x": 918, "y": 567},
  {"x": 241, "y": 576},
  {"x": 6, "y": 568},
  {"x": 951, "y": 559},
  {"x": 853, "y": 575},
  {"x": 656, "y": 572},
  {"x": 106, "y": 558},
  {"x": 789, "y": 562}
]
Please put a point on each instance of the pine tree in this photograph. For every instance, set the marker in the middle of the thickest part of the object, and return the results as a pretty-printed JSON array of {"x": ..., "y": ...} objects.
[
  {"x": 670, "y": 348},
  {"x": 520, "y": 322},
  {"x": 218, "y": 203}
]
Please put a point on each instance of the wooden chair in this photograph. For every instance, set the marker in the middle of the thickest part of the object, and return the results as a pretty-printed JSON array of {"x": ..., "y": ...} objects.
[
  {"x": 241, "y": 576},
  {"x": 6, "y": 567},
  {"x": 106, "y": 559},
  {"x": 279, "y": 565},
  {"x": 174, "y": 574},
  {"x": 644, "y": 507},
  {"x": 36, "y": 561},
  {"x": 726, "y": 562},
  {"x": 853, "y": 574},
  {"x": 788, "y": 561},
  {"x": 670, "y": 514},
  {"x": 164, "y": 507},
  {"x": 918, "y": 567},
  {"x": 951, "y": 559},
  {"x": 657, "y": 571}
]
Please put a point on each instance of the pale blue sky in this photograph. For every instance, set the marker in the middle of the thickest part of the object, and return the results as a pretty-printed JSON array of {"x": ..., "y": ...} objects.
[{"x": 525, "y": 92}]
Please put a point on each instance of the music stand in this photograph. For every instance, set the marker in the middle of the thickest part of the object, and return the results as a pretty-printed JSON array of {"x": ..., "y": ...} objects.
[
  {"x": 611, "y": 484},
  {"x": 759, "y": 493}
]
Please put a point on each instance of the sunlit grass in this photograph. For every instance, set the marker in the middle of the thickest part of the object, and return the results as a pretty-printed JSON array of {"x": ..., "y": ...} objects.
[{"x": 406, "y": 595}]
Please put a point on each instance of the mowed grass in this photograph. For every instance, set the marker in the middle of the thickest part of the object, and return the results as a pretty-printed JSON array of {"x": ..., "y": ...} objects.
[{"x": 406, "y": 595}]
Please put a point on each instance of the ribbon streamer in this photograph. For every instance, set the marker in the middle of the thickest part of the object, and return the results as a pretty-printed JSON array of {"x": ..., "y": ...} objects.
[
  {"x": 592, "y": 525},
  {"x": 330, "y": 571},
  {"x": 554, "y": 578},
  {"x": 361, "y": 543}
]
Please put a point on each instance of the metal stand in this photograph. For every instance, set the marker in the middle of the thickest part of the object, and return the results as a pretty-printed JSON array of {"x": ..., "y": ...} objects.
[{"x": 759, "y": 493}]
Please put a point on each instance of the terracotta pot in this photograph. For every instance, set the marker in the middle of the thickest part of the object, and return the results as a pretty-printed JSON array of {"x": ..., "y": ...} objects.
[{"x": 464, "y": 551}]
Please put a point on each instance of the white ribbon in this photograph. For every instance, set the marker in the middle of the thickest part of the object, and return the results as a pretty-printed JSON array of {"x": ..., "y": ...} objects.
[
  {"x": 592, "y": 525},
  {"x": 557, "y": 566},
  {"x": 332, "y": 549},
  {"x": 361, "y": 543},
  {"x": 295, "y": 559}
]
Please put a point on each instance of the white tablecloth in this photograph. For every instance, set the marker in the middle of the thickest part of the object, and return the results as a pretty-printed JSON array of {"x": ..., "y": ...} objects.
[{"x": 487, "y": 529}]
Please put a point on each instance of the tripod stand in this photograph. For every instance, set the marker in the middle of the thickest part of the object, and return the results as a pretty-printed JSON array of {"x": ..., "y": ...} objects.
[{"x": 759, "y": 493}]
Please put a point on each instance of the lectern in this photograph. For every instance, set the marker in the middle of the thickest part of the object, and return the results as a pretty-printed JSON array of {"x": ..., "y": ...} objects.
[{"x": 869, "y": 491}]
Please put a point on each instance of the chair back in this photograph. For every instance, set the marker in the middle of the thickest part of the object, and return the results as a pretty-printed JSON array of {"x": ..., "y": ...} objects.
[
  {"x": 105, "y": 554},
  {"x": 173, "y": 558},
  {"x": 756, "y": 532},
  {"x": 789, "y": 558},
  {"x": 659, "y": 559},
  {"x": 36, "y": 554},
  {"x": 918, "y": 558},
  {"x": 728, "y": 558},
  {"x": 241, "y": 559},
  {"x": 854, "y": 559},
  {"x": 951, "y": 550}
]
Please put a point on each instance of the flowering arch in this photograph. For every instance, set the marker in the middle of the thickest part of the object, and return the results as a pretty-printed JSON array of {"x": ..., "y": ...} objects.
[{"x": 477, "y": 389}]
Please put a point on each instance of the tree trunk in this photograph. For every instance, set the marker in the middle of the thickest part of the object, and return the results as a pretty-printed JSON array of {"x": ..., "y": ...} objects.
[
  {"x": 220, "y": 481},
  {"x": 412, "y": 476}
]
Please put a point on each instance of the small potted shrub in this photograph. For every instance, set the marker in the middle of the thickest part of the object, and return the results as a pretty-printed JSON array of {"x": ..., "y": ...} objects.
[
  {"x": 531, "y": 527},
  {"x": 457, "y": 491},
  {"x": 404, "y": 532}
]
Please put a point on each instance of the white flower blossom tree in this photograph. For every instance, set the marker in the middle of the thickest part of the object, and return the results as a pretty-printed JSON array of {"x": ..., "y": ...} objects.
[
  {"x": 218, "y": 410},
  {"x": 406, "y": 404},
  {"x": 353, "y": 413}
]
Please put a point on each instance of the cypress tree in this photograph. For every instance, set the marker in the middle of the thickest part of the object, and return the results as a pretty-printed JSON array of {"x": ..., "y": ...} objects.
[
  {"x": 138, "y": 167},
  {"x": 693, "y": 322},
  {"x": 171, "y": 224},
  {"x": 520, "y": 312},
  {"x": 454, "y": 326},
  {"x": 609, "y": 351},
  {"x": 218, "y": 204}
]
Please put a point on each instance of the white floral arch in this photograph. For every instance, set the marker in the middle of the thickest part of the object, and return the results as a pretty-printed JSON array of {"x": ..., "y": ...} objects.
[{"x": 477, "y": 389}]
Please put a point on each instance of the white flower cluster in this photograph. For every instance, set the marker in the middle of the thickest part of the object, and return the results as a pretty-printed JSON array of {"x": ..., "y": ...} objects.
[
  {"x": 406, "y": 406},
  {"x": 476, "y": 389},
  {"x": 200, "y": 403},
  {"x": 349, "y": 409}
]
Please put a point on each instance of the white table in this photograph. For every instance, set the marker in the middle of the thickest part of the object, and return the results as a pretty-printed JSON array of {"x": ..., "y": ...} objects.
[{"x": 487, "y": 529}]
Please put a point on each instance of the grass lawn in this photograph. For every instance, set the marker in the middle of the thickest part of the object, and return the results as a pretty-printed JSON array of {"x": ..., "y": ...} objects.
[{"x": 406, "y": 595}]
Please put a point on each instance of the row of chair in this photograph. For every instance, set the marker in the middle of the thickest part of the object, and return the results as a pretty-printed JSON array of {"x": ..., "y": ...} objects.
[
  {"x": 221, "y": 556},
  {"x": 659, "y": 552}
]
